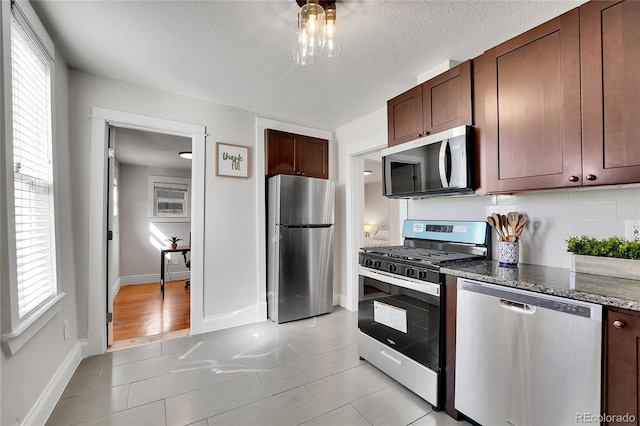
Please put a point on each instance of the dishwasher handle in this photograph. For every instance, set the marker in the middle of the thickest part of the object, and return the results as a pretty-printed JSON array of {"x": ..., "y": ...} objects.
[{"x": 517, "y": 307}]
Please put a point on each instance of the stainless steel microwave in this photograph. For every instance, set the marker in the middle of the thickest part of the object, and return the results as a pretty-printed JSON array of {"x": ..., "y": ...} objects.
[{"x": 435, "y": 165}]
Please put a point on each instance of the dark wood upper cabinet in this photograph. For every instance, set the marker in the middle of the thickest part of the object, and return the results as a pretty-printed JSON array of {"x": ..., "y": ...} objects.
[
  {"x": 610, "y": 54},
  {"x": 292, "y": 154},
  {"x": 446, "y": 100},
  {"x": 438, "y": 104},
  {"x": 532, "y": 108},
  {"x": 404, "y": 117},
  {"x": 622, "y": 369}
]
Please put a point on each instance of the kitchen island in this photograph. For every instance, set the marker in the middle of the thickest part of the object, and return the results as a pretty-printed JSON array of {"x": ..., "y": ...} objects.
[{"x": 608, "y": 291}]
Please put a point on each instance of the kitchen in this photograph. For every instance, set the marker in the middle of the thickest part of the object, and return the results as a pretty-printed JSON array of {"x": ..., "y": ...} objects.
[{"x": 559, "y": 213}]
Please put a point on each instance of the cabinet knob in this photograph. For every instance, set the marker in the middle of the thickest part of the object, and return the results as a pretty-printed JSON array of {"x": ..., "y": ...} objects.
[
  {"x": 619, "y": 324},
  {"x": 426, "y": 133},
  {"x": 591, "y": 177},
  {"x": 418, "y": 135},
  {"x": 573, "y": 178}
]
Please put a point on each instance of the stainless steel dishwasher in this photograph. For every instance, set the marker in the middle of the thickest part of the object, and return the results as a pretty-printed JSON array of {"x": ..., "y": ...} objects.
[{"x": 525, "y": 358}]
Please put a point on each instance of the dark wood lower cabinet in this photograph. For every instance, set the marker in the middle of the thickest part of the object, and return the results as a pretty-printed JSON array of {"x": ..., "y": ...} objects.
[{"x": 622, "y": 364}]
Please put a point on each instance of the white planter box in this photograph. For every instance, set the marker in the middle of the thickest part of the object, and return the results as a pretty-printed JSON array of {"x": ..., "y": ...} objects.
[{"x": 606, "y": 266}]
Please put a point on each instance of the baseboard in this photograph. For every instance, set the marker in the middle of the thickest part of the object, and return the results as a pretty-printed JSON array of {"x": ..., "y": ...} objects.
[
  {"x": 47, "y": 401},
  {"x": 154, "y": 278},
  {"x": 116, "y": 287},
  {"x": 231, "y": 319}
]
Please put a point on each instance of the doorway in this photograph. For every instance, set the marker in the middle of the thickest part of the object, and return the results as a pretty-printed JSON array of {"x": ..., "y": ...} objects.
[
  {"x": 148, "y": 204},
  {"x": 101, "y": 120}
]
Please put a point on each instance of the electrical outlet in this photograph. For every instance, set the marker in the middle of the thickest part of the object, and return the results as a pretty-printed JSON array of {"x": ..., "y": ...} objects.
[
  {"x": 175, "y": 260},
  {"x": 631, "y": 229},
  {"x": 65, "y": 329}
]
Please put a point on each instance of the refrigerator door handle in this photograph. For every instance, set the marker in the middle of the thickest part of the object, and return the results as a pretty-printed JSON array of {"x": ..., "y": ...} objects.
[{"x": 325, "y": 225}]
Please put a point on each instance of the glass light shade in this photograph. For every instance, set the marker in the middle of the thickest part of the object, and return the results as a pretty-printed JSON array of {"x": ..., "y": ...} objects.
[
  {"x": 186, "y": 155},
  {"x": 300, "y": 50},
  {"x": 367, "y": 229},
  {"x": 311, "y": 28},
  {"x": 367, "y": 172},
  {"x": 332, "y": 47}
]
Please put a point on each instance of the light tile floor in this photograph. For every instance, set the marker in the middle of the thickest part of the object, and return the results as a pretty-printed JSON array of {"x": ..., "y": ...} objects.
[{"x": 304, "y": 372}]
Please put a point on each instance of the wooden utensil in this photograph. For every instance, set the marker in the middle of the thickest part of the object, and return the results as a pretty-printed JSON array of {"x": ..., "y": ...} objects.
[
  {"x": 513, "y": 218},
  {"x": 491, "y": 220},
  {"x": 505, "y": 226},
  {"x": 520, "y": 227}
]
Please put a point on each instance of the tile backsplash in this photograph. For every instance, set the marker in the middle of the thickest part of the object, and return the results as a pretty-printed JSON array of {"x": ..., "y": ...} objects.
[{"x": 554, "y": 216}]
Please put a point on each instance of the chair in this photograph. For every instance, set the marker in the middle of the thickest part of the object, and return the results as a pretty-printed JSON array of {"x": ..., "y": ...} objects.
[{"x": 187, "y": 263}]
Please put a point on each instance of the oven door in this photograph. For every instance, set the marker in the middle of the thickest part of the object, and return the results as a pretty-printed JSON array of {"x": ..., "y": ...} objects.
[{"x": 403, "y": 314}]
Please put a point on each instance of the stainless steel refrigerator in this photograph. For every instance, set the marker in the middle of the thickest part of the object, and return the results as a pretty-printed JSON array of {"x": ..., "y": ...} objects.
[{"x": 299, "y": 247}]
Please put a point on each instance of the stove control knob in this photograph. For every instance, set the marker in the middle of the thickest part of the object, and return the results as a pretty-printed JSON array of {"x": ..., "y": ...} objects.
[
  {"x": 368, "y": 262},
  {"x": 376, "y": 264},
  {"x": 410, "y": 272},
  {"x": 392, "y": 268},
  {"x": 422, "y": 275}
]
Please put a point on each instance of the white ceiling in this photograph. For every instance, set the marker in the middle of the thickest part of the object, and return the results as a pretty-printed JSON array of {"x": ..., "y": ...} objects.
[
  {"x": 376, "y": 171},
  {"x": 150, "y": 149},
  {"x": 238, "y": 52}
]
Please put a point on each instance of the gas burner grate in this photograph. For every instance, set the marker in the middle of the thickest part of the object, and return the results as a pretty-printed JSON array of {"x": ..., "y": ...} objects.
[{"x": 420, "y": 254}]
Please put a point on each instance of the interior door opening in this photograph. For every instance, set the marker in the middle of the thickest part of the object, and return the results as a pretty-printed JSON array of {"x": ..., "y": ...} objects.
[{"x": 148, "y": 203}]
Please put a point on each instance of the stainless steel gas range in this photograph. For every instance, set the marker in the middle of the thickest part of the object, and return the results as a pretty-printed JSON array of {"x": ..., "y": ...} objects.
[{"x": 401, "y": 301}]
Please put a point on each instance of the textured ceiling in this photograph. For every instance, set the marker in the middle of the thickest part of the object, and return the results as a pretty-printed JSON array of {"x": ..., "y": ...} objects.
[{"x": 238, "y": 52}]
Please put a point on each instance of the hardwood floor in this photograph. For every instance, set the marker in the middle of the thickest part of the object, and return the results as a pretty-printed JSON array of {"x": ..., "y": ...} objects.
[{"x": 139, "y": 311}]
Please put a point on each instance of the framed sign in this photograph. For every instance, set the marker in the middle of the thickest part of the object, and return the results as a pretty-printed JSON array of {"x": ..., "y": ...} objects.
[{"x": 233, "y": 160}]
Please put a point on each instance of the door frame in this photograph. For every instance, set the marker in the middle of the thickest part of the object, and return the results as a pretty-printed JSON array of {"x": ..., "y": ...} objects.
[
  {"x": 353, "y": 154},
  {"x": 101, "y": 120}
]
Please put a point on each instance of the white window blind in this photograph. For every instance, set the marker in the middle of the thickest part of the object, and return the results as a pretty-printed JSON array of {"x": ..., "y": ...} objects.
[
  {"x": 170, "y": 199},
  {"x": 33, "y": 171}
]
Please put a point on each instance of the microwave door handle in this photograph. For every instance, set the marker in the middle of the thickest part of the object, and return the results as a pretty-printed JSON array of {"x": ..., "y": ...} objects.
[{"x": 442, "y": 163}]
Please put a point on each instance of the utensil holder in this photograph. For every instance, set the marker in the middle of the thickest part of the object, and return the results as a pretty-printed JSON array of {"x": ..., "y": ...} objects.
[{"x": 508, "y": 254}]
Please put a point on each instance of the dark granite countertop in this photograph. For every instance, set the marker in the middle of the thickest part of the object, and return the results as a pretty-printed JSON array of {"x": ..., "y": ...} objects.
[{"x": 609, "y": 291}]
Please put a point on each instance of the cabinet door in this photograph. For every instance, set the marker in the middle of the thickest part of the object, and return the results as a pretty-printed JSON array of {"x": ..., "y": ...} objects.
[
  {"x": 404, "y": 117},
  {"x": 533, "y": 108},
  {"x": 313, "y": 156},
  {"x": 446, "y": 100},
  {"x": 621, "y": 366},
  {"x": 280, "y": 153},
  {"x": 610, "y": 43}
]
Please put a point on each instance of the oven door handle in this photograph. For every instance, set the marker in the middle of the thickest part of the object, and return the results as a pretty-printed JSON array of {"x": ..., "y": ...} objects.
[{"x": 391, "y": 357}]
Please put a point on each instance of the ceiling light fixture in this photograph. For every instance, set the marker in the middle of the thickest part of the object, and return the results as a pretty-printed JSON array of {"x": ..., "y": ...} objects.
[
  {"x": 316, "y": 31},
  {"x": 186, "y": 155},
  {"x": 367, "y": 172}
]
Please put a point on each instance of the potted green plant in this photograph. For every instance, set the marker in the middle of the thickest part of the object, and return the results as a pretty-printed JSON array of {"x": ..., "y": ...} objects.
[
  {"x": 613, "y": 257},
  {"x": 174, "y": 241}
]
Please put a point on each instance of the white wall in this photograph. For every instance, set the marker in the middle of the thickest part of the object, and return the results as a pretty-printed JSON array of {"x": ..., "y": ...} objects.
[
  {"x": 139, "y": 259},
  {"x": 376, "y": 206},
  {"x": 554, "y": 216},
  {"x": 26, "y": 376},
  {"x": 230, "y": 208}
]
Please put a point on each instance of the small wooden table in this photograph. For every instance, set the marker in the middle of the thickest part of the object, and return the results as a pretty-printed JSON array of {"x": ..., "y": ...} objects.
[{"x": 163, "y": 252}]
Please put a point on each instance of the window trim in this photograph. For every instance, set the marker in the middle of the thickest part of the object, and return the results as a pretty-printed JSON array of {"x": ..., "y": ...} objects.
[{"x": 17, "y": 332}]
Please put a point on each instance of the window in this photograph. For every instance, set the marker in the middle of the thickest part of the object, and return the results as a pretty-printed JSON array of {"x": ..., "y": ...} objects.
[
  {"x": 170, "y": 200},
  {"x": 30, "y": 181},
  {"x": 169, "y": 197}
]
